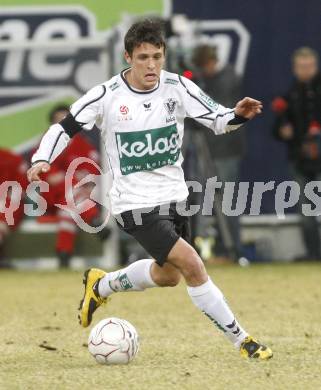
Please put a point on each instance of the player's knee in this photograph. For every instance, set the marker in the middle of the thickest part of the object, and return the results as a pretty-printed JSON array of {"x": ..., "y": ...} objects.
[
  {"x": 169, "y": 279},
  {"x": 191, "y": 266},
  {"x": 174, "y": 279},
  {"x": 166, "y": 276},
  {"x": 194, "y": 268}
]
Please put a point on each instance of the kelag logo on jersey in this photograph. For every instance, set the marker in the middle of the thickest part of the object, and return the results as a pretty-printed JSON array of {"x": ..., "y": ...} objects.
[
  {"x": 32, "y": 74},
  {"x": 147, "y": 150}
]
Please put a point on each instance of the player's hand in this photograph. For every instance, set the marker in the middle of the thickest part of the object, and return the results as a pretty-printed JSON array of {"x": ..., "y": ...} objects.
[
  {"x": 36, "y": 170},
  {"x": 248, "y": 108}
]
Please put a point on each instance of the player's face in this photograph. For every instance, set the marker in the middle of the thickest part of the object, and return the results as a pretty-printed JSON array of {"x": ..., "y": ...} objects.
[
  {"x": 146, "y": 64},
  {"x": 305, "y": 68}
]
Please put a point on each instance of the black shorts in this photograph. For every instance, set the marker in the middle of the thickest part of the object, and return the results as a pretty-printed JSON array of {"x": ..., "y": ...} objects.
[{"x": 157, "y": 230}]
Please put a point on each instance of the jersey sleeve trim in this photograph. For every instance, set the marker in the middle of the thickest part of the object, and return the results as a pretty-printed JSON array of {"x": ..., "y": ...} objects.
[
  {"x": 91, "y": 101},
  {"x": 38, "y": 161},
  {"x": 238, "y": 120},
  {"x": 225, "y": 113},
  {"x": 55, "y": 144},
  {"x": 209, "y": 111},
  {"x": 54, "y": 141}
]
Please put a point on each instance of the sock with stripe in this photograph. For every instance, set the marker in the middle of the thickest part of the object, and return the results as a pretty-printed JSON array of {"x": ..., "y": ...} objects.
[
  {"x": 210, "y": 300},
  {"x": 135, "y": 277}
]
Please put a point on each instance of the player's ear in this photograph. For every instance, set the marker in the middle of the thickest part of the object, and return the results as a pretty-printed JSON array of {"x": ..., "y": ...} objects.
[{"x": 128, "y": 58}]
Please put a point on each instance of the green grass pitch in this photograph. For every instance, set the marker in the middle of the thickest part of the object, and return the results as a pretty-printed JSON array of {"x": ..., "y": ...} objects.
[{"x": 179, "y": 348}]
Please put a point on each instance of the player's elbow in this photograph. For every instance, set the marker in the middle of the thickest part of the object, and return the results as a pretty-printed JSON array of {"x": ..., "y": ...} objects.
[{"x": 70, "y": 125}]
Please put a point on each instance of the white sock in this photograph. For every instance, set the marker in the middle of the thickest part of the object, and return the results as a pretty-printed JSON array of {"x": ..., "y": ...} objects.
[
  {"x": 210, "y": 300},
  {"x": 135, "y": 277}
]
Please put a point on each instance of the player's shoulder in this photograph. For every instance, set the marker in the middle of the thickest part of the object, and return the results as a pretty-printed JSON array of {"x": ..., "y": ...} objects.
[
  {"x": 177, "y": 81},
  {"x": 104, "y": 89},
  {"x": 112, "y": 84},
  {"x": 170, "y": 79}
]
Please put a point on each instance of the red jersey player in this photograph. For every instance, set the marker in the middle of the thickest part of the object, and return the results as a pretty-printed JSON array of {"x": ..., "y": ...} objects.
[{"x": 12, "y": 168}]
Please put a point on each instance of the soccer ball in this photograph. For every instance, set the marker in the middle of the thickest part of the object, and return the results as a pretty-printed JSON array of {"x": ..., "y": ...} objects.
[{"x": 113, "y": 341}]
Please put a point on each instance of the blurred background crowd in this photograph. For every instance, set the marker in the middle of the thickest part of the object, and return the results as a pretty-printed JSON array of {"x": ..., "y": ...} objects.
[{"x": 230, "y": 51}]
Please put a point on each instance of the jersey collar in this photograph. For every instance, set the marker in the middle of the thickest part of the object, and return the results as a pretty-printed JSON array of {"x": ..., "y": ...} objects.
[{"x": 122, "y": 75}]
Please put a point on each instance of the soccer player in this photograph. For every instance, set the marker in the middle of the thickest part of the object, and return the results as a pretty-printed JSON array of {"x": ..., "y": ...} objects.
[
  {"x": 13, "y": 168},
  {"x": 140, "y": 113}
]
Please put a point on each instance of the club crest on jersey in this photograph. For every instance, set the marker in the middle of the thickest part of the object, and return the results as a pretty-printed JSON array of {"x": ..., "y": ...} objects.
[{"x": 170, "y": 106}]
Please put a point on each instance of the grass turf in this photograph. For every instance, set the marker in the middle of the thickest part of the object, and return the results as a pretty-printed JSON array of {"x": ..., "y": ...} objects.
[{"x": 180, "y": 348}]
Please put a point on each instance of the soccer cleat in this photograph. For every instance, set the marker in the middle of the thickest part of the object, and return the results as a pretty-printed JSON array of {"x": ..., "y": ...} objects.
[
  {"x": 250, "y": 348},
  {"x": 91, "y": 300}
]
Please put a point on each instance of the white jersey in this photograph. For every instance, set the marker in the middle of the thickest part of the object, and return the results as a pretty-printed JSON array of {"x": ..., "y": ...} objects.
[{"x": 143, "y": 134}]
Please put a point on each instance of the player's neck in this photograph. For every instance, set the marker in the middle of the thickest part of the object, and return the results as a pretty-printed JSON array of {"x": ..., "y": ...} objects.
[{"x": 135, "y": 84}]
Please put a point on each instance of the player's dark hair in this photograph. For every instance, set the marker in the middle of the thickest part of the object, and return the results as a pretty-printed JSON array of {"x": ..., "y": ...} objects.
[
  {"x": 145, "y": 31},
  {"x": 55, "y": 109}
]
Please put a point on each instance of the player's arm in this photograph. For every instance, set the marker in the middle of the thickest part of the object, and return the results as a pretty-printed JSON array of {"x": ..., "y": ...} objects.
[
  {"x": 83, "y": 115},
  {"x": 220, "y": 119}
]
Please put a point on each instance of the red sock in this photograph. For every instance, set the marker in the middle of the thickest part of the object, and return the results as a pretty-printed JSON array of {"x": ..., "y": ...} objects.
[{"x": 66, "y": 236}]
